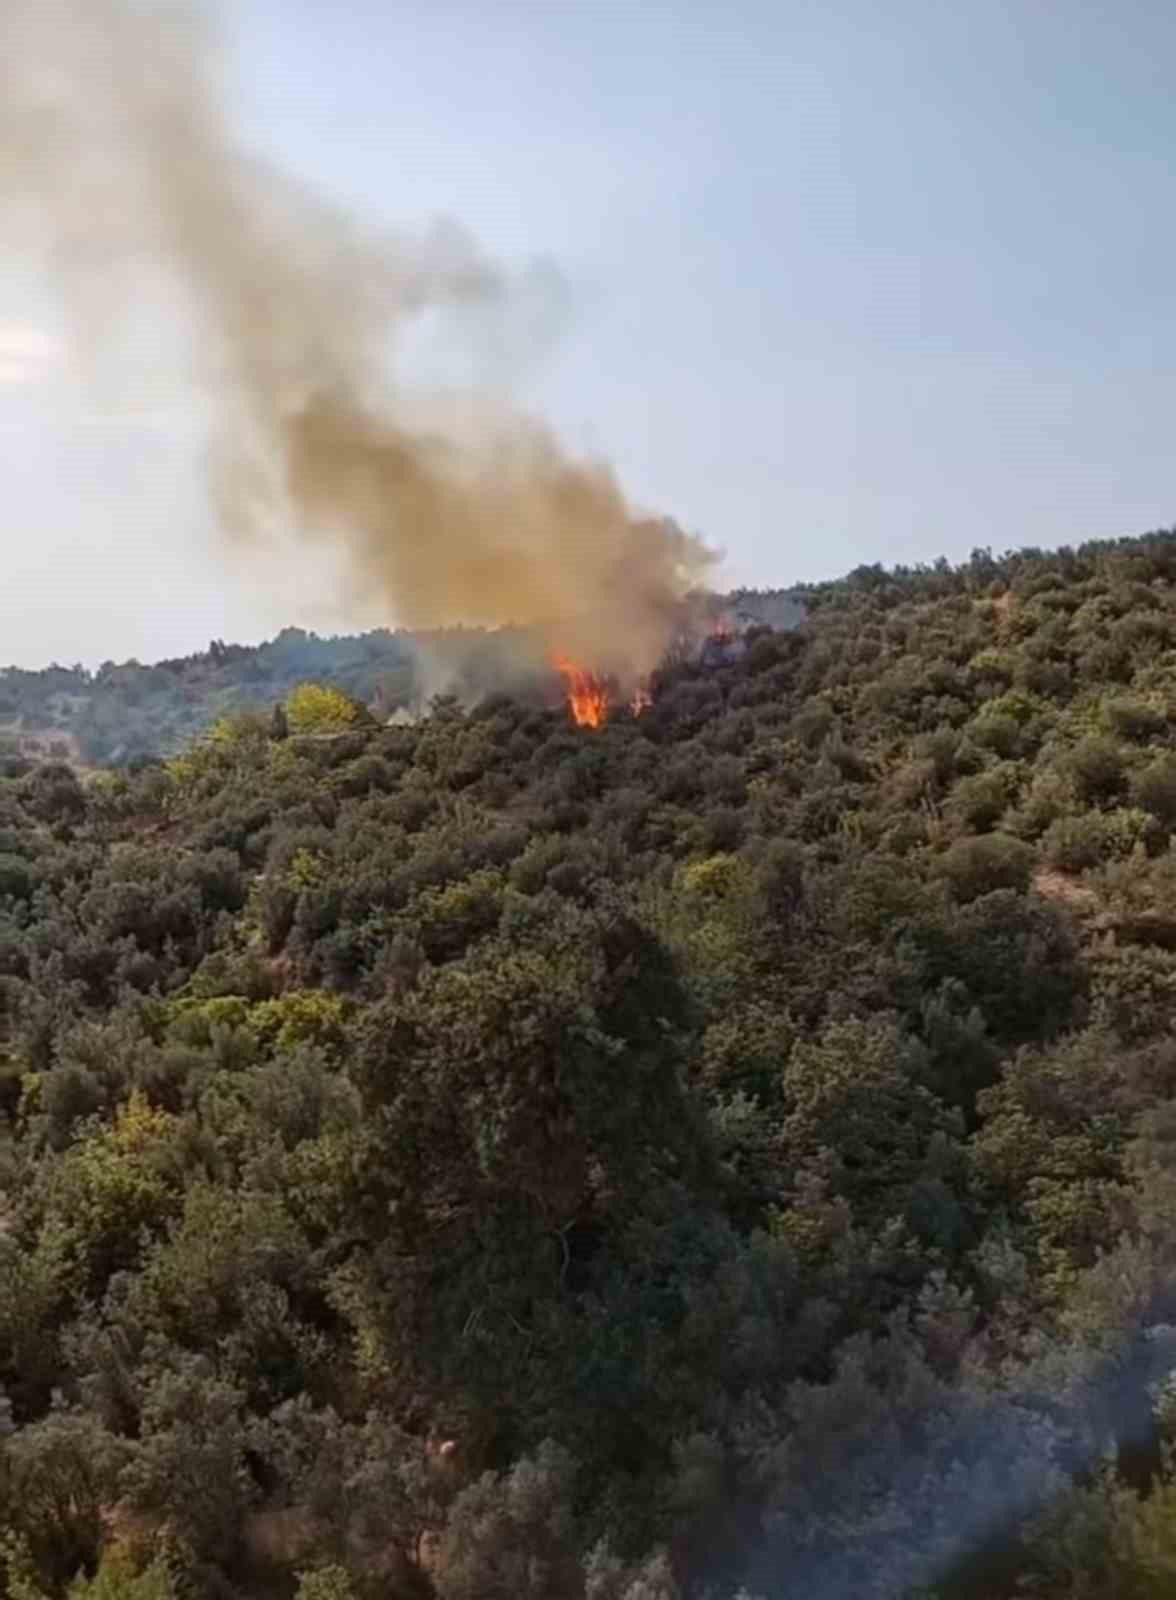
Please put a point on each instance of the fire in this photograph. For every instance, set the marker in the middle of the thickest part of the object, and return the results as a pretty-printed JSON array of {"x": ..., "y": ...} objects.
[
  {"x": 587, "y": 693},
  {"x": 642, "y": 699}
]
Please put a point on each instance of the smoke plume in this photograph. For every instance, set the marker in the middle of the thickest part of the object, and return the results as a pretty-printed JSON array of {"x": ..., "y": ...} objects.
[{"x": 119, "y": 163}]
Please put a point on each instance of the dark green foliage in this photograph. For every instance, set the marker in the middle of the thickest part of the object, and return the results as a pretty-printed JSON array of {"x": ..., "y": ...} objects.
[
  {"x": 1097, "y": 766},
  {"x": 981, "y": 800},
  {"x": 514, "y": 1536},
  {"x": 1135, "y": 720},
  {"x": 728, "y": 1152},
  {"x": 1074, "y": 843},
  {"x": 1155, "y": 789},
  {"x": 993, "y": 861}
]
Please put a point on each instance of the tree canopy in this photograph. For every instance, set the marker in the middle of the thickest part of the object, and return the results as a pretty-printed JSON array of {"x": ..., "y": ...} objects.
[{"x": 726, "y": 1153}]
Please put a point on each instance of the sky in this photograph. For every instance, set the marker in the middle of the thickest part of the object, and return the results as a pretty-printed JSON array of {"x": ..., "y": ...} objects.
[{"x": 838, "y": 282}]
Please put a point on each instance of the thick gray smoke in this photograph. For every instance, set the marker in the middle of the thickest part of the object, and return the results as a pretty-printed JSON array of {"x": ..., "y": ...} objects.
[{"x": 119, "y": 165}]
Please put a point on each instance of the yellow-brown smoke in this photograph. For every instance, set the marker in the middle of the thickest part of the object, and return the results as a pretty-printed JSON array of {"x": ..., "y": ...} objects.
[{"x": 117, "y": 158}]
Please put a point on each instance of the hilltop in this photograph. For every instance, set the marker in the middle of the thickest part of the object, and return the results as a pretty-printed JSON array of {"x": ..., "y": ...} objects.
[{"x": 723, "y": 1152}]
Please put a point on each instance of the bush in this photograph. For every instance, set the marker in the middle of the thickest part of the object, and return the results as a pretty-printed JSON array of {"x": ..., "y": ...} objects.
[
  {"x": 980, "y": 801},
  {"x": 993, "y": 861},
  {"x": 1049, "y": 797},
  {"x": 998, "y": 733},
  {"x": 513, "y": 1538},
  {"x": 1134, "y": 719},
  {"x": 120, "y": 1578},
  {"x": 16, "y": 877},
  {"x": 1074, "y": 844},
  {"x": 1155, "y": 789},
  {"x": 1097, "y": 767}
]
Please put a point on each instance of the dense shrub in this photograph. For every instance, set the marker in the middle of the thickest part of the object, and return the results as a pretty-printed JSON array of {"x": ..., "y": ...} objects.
[
  {"x": 1098, "y": 769},
  {"x": 992, "y": 861},
  {"x": 1154, "y": 788}
]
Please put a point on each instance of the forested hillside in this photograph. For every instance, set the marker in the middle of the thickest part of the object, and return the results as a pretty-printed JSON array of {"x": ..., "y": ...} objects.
[
  {"x": 126, "y": 711},
  {"x": 729, "y": 1152}
]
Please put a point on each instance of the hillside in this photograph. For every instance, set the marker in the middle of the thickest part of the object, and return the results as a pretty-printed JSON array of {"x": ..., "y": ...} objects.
[
  {"x": 126, "y": 711},
  {"x": 724, "y": 1153}
]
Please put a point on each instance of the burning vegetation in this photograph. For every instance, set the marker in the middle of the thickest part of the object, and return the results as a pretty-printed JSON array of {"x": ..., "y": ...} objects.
[
  {"x": 592, "y": 697},
  {"x": 707, "y": 628},
  {"x": 642, "y": 699},
  {"x": 586, "y": 692}
]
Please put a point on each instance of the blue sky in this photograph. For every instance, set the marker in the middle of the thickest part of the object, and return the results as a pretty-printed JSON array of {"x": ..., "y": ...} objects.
[{"x": 845, "y": 281}]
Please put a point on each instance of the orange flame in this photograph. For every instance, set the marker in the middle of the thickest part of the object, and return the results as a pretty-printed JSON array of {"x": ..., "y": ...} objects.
[
  {"x": 642, "y": 699},
  {"x": 587, "y": 693}
]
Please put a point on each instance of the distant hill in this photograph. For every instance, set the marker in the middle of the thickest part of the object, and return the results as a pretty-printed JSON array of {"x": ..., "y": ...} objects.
[{"x": 128, "y": 710}]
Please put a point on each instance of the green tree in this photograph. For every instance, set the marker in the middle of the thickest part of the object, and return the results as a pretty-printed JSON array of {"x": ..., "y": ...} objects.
[{"x": 318, "y": 708}]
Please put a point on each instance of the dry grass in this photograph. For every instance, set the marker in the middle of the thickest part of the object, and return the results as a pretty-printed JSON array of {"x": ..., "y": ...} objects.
[{"x": 1057, "y": 886}]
